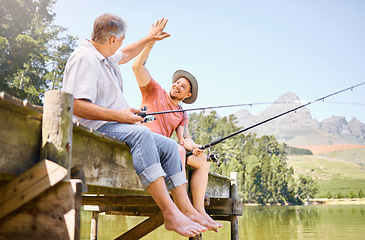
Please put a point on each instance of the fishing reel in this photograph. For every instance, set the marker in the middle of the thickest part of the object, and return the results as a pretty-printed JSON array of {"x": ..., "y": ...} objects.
[
  {"x": 214, "y": 157},
  {"x": 146, "y": 118}
]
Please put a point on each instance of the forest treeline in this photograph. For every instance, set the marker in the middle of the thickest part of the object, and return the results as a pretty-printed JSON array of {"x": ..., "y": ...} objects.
[{"x": 263, "y": 174}]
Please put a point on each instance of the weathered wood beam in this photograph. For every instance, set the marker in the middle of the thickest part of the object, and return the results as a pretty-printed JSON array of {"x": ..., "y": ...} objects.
[
  {"x": 54, "y": 214},
  {"x": 143, "y": 228},
  {"x": 94, "y": 226},
  {"x": 142, "y": 205},
  {"x": 29, "y": 185},
  {"x": 143, "y": 211},
  {"x": 234, "y": 217},
  {"x": 57, "y": 128},
  {"x": 224, "y": 206},
  {"x": 118, "y": 200}
]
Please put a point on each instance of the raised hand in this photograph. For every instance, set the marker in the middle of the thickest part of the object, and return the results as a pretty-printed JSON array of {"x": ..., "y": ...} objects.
[{"x": 156, "y": 31}]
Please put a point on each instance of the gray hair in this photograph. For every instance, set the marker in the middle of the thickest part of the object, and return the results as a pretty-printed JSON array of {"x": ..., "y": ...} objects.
[{"x": 108, "y": 25}]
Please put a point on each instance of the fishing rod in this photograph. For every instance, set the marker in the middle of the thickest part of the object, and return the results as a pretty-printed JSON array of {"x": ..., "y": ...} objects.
[
  {"x": 144, "y": 113},
  {"x": 272, "y": 118}
]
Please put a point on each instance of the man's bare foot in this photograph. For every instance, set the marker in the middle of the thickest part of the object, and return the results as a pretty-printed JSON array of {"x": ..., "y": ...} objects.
[
  {"x": 194, "y": 215},
  {"x": 209, "y": 219},
  {"x": 183, "y": 225}
]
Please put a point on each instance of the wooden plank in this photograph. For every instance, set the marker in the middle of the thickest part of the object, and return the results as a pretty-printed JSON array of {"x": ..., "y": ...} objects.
[
  {"x": 218, "y": 186},
  {"x": 143, "y": 211},
  {"x": 20, "y": 107},
  {"x": 118, "y": 200},
  {"x": 29, "y": 184},
  {"x": 57, "y": 128},
  {"x": 55, "y": 214},
  {"x": 104, "y": 160},
  {"x": 20, "y": 140},
  {"x": 224, "y": 206},
  {"x": 141, "y": 204},
  {"x": 143, "y": 228}
]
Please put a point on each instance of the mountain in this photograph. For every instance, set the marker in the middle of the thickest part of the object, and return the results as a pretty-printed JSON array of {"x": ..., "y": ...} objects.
[{"x": 299, "y": 127}]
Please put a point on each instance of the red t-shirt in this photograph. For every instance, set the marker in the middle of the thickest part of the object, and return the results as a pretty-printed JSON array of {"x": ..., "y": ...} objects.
[{"x": 157, "y": 100}]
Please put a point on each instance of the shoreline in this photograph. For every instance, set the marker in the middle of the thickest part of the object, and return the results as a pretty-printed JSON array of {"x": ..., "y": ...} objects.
[{"x": 316, "y": 201}]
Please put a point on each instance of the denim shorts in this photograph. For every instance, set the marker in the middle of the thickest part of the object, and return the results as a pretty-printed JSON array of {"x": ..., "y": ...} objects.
[{"x": 153, "y": 155}]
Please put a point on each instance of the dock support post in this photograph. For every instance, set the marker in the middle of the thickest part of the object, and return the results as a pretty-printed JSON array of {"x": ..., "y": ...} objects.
[
  {"x": 57, "y": 128},
  {"x": 233, "y": 217},
  {"x": 94, "y": 225}
]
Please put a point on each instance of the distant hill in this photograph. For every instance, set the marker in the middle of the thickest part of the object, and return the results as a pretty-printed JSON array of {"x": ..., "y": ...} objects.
[{"x": 300, "y": 128}]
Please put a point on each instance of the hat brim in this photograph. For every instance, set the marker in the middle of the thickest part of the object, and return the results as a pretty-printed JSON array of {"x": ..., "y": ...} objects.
[{"x": 194, "y": 84}]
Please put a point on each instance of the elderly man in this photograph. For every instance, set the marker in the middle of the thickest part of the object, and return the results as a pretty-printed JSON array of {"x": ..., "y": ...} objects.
[
  {"x": 93, "y": 77},
  {"x": 184, "y": 89}
]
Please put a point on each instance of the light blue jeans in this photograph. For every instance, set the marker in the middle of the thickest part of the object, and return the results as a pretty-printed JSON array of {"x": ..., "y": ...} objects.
[{"x": 153, "y": 155}]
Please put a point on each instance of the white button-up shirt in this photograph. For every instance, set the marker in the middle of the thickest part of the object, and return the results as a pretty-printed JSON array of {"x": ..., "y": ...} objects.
[{"x": 89, "y": 75}]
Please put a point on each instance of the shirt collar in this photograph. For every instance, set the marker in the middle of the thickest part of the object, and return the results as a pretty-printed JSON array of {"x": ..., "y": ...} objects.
[{"x": 98, "y": 55}]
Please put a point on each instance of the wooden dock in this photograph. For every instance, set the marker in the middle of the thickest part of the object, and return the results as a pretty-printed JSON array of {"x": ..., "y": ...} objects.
[{"x": 43, "y": 156}]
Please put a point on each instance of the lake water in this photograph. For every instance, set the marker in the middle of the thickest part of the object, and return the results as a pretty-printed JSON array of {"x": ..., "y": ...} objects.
[{"x": 345, "y": 222}]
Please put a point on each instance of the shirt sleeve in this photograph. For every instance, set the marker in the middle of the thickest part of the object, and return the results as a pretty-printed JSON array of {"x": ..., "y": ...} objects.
[
  {"x": 81, "y": 80},
  {"x": 118, "y": 55},
  {"x": 148, "y": 91}
]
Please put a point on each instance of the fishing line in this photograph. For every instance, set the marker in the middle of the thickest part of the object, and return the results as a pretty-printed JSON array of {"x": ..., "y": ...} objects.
[
  {"x": 144, "y": 114},
  {"x": 272, "y": 118}
]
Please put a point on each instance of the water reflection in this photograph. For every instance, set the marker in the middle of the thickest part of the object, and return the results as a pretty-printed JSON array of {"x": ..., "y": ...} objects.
[
  {"x": 258, "y": 223},
  {"x": 303, "y": 222}
]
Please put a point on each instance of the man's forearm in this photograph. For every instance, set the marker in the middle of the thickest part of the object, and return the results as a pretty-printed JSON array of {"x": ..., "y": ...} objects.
[
  {"x": 132, "y": 50},
  {"x": 85, "y": 109}
]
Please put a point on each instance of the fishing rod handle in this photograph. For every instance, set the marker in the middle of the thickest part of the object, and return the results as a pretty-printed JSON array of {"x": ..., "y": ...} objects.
[
  {"x": 188, "y": 154},
  {"x": 142, "y": 114}
]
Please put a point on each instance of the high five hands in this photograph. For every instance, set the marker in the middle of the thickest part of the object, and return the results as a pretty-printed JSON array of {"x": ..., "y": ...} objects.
[{"x": 156, "y": 30}]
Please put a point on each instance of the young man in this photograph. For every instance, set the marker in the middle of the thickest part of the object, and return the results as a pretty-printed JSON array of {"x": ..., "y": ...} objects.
[
  {"x": 184, "y": 89},
  {"x": 93, "y": 77}
]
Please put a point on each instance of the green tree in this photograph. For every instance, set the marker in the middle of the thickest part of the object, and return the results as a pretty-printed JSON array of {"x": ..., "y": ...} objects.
[
  {"x": 252, "y": 178},
  {"x": 360, "y": 194},
  {"x": 329, "y": 195},
  {"x": 263, "y": 175},
  {"x": 307, "y": 187},
  {"x": 33, "y": 50},
  {"x": 339, "y": 195},
  {"x": 352, "y": 194}
]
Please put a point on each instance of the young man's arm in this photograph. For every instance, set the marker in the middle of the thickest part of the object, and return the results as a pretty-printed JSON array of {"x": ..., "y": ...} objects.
[
  {"x": 156, "y": 34},
  {"x": 187, "y": 142},
  {"x": 140, "y": 71}
]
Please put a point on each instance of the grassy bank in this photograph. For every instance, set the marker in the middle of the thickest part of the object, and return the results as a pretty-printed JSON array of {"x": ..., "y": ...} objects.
[{"x": 338, "y": 172}]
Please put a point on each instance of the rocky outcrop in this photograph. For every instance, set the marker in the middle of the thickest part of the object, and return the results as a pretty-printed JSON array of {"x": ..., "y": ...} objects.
[
  {"x": 300, "y": 123},
  {"x": 335, "y": 125},
  {"x": 357, "y": 128}
]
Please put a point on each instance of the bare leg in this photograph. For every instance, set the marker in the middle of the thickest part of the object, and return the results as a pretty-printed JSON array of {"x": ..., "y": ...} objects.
[
  {"x": 174, "y": 219},
  {"x": 198, "y": 185}
]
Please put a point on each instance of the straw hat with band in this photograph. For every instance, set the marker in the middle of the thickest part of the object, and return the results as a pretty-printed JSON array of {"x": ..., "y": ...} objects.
[{"x": 193, "y": 84}]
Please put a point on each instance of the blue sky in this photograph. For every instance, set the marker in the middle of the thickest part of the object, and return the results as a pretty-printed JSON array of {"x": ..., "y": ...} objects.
[{"x": 245, "y": 51}]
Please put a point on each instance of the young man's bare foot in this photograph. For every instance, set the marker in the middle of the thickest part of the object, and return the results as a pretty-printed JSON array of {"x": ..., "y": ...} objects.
[
  {"x": 199, "y": 218},
  {"x": 209, "y": 219},
  {"x": 181, "y": 224}
]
